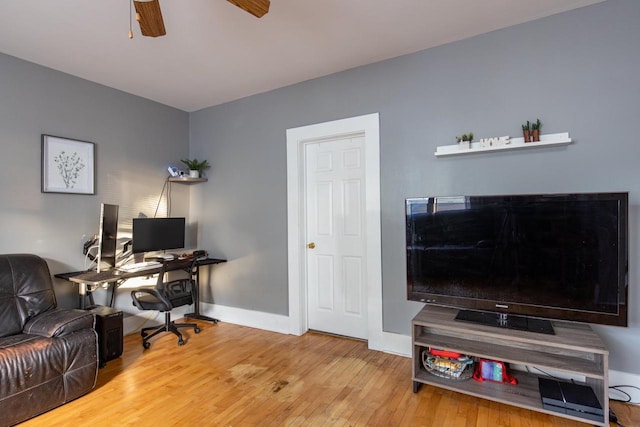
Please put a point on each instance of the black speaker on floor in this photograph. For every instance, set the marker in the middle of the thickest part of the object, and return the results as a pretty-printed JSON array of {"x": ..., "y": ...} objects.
[{"x": 110, "y": 330}]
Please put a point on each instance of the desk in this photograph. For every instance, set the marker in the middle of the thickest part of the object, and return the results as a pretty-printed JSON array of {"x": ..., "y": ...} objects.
[{"x": 114, "y": 277}]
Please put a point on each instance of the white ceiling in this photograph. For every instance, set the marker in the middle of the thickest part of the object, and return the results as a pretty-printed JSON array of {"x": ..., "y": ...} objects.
[{"x": 215, "y": 52}]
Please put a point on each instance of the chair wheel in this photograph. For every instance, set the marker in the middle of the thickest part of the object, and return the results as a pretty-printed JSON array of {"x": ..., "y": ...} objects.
[
  {"x": 146, "y": 344},
  {"x": 180, "y": 342},
  {"x": 196, "y": 330}
]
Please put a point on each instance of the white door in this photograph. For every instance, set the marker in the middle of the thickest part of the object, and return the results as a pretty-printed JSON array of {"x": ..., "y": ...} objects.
[{"x": 335, "y": 226}]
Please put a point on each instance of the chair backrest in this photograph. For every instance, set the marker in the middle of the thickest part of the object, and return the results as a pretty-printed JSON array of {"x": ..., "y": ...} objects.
[
  {"x": 26, "y": 290},
  {"x": 178, "y": 291}
]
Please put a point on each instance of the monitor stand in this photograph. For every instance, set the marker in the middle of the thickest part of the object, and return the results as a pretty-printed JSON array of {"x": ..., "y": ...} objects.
[
  {"x": 501, "y": 320},
  {"x": 160, "y": 257}
]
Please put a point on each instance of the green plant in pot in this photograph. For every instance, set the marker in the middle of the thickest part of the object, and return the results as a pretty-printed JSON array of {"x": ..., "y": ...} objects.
[
  {"x": 464, "y": 140},
  {"x": 196, "y": 167},
  {"x": 526, "y": 131},
  {"x": 467, "y": 137},
  {"x": 535, "y": 130}
]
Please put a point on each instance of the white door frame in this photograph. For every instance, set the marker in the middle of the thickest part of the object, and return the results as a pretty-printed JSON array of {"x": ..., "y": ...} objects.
[{"x": 367, "y": 125}]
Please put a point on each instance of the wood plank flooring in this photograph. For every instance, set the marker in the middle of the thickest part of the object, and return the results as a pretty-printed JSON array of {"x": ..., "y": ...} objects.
[{"x": 231, "y": 375}]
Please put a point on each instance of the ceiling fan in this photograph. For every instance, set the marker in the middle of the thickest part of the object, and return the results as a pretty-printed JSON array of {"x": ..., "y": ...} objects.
[{"x": 149, "y": 15}]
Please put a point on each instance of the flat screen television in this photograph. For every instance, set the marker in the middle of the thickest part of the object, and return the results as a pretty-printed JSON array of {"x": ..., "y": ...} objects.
[
  {"x": 157, "y": 234},
  {"x": 107, "y": 237},
  {"x": 511, "y": 260}
]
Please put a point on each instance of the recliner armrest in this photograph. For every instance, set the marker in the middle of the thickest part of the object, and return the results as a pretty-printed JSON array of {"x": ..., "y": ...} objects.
[{"x": 57, "y": 323}]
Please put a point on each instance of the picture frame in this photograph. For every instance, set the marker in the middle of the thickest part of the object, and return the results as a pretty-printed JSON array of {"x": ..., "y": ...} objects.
[{"x": 68, "y": 165}]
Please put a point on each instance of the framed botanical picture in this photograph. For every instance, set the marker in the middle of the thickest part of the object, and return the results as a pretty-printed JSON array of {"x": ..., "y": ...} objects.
[{"x": 68, "y": 166}]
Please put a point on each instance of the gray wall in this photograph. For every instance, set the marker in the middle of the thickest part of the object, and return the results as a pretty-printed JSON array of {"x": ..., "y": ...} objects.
[
  {"x": 576, "y": 71},
  {"x": 134, "y": 139}
]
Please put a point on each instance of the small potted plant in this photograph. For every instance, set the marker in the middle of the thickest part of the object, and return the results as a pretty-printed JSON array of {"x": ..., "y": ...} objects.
[
  {"x": 196, "y": 167},
  {"x": 526, "y": 131},
  {"x": 464, "y": 140},
  {"x": 535, "y": 130}
]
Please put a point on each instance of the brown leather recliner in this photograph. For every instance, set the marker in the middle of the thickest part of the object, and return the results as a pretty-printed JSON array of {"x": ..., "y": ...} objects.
[{"x": 47, "y": 356}]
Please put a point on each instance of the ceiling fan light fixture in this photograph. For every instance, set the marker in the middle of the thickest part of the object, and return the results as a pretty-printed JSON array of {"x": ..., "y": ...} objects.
[
  {"x": 151, "y": 23},
  {"x": 257, "y": 8}
]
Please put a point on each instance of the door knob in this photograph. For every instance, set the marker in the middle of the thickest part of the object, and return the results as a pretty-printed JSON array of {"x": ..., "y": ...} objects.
[{"x": 311, "y": 245}]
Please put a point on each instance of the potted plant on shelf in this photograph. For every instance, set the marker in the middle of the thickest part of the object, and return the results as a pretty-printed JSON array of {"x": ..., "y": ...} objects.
[
  {"x": 464, "y": 140},
  {"x": 535, "y": 130},
  {"x": 196, "y": 167},
  {"x": 526, "y": 131}
]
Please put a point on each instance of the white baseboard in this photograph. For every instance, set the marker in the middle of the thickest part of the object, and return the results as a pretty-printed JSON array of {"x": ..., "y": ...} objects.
[
  {"x": 254, "y": 319},
  {"x": 617, "y": 378},
  {"x": 389, "y": 343},
  {"x": 135, "y": 319},
  {"x": 393, "y": 343}
]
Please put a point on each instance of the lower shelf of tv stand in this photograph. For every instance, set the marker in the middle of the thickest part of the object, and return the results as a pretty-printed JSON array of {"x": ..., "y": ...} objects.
[
  {"x": 525, "y": 394},
  {"x": 575, "y": 349}
]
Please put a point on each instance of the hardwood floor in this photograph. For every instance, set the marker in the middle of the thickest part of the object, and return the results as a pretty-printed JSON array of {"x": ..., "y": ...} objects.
[{"x": 231, "y": 375}]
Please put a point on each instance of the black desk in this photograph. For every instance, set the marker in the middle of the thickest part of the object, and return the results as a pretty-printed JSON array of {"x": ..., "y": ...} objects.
[{"x": 115, "y": 277}]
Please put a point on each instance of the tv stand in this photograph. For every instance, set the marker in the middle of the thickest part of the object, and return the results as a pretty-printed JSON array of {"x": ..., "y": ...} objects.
[
  {"x": 574, "y": 349},
  {"x": 507, "y": 321}
]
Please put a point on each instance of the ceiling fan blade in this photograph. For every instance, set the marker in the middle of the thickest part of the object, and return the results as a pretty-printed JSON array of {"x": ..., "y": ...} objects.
[
  {"x": 257, "y": 8},
  {"x": 151, "y": 23}
]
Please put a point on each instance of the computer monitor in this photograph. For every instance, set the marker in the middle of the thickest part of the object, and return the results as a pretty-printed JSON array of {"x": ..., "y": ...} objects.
[
  {"x": 107, "y": 237},
  {"x": 157, "y": 234}
]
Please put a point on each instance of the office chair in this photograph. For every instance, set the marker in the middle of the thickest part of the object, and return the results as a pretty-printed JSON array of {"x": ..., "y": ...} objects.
[{"x": 165, "y": 296}]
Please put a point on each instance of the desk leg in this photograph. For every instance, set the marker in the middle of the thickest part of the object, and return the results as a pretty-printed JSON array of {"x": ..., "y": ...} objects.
[
  {"x": 112, "y": 287},
  {"x": 82, "y": 295},
  {"x": 196, "y": 302}
]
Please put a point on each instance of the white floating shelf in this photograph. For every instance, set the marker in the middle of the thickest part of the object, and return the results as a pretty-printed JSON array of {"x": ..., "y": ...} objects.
[{"x": 514, "y": 144}]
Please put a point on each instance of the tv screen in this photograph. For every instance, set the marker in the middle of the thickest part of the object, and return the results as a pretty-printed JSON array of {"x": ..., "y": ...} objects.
[
  {"x": 157, "y": 234},
  {"x": 549, "y": 256},
  {"x": 107, "y": 237}
]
